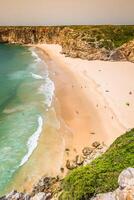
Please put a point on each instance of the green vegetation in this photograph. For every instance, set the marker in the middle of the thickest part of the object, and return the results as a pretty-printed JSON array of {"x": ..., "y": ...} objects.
[
  {"x": 107, "y": 36},
  {"x": 102, "y": 174}
]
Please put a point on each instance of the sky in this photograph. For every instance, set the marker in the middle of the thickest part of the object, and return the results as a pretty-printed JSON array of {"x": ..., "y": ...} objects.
[{"x": 66, "y": 12}]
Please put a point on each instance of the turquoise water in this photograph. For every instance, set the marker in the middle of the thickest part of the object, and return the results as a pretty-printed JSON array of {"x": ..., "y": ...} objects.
[{"x": 25, "y": 94}]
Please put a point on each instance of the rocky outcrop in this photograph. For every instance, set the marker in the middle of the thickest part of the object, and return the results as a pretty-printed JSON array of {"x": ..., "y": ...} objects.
[
  {"x": 70, "y": 40},
  {"x": 50, "y": 188},
  {"x": 41, "y": 196},
  {"x": 73, "y": 42},
  {"x": 125, "y": 190},
  {"x": 14, "y": 195},
  {"x": 45, "y": 189},
  {"x": 47, "y": 185},
  {"x": 124, "y": 53},
  {"x": 87, "y": 156},
  {"x": 30, "y": 35}
]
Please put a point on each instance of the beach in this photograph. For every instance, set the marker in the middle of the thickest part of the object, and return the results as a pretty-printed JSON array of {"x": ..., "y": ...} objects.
[
  {"x": 92, "y": 102},
  {"x": 95, "y": 97}
]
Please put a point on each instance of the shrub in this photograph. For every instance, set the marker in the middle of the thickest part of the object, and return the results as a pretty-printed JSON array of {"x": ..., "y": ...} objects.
[{"x": 102, "y": 174}]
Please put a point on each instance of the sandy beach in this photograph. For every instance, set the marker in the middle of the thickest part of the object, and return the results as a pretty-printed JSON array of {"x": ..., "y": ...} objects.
[
  {"x": 94, "y": 96},
  {"x": 93, "y": 102}
]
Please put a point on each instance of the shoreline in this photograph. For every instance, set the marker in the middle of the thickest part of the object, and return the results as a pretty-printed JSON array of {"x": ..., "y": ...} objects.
[
  {"x": 86, "y": 89},
  {"x": 81, "y": 111}
]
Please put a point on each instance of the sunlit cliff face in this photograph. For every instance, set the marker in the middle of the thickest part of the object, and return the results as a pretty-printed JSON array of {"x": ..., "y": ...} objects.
[{"x": 58, "y": 12}]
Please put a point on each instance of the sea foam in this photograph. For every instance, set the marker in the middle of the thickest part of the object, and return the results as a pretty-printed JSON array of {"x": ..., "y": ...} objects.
[
  {"x": 36, "y": 76},
  {"x": 33, "y": 141},
  {"x": 35, "y": 55},
  {"x": 48, "y": 90}
]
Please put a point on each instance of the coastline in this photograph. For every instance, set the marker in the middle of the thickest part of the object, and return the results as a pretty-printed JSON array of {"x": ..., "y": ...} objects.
[
  {"x": 80, "y": 111},
  {"x": 88, "y": 103},
  {"x": 83, "y": 115}
]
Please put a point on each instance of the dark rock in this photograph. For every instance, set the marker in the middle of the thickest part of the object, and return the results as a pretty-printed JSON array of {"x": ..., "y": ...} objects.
[
  {"x": 87, "y": 151},
  {"x": 46, "y": 185},
  {"x": 3, "y": 198},
  {"x": 27, "y": 197},
  {"x": 128, "y": 104},
  {"x": 96, "y": 144},
  {"x": 70, "y": 165},
  {"x": 67, "y": 150},
  {"x": 48, "y": 196},
  {"x": 79, "y": 160},
  {"x": 92, "y": 133},
  {"x": 62, "y": 169}
]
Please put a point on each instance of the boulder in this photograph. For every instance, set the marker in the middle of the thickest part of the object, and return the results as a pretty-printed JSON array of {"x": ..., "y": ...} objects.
[
  {"x": 107, "y": 196},
  {"x": 117, "y": 55},
  {"x": 46, "y": 185},
  {"x": 126, "y": 178},
  {"x": 70, "y": 165},
  {"x": 125, "y": 190},
  {"x": 14, "y": 195},
  {"x": 3, "y": 198},
  {"x": 125, "y": 194},
  {"x": 96, "y": 144},
  {"x": 79, "y": 160},
  {"x": 26, "y": 197},
  {"x": 124, "y": 53},
  {"x": 87, "y": 151},
  {"x": 62, "y": 169},
  {"x": 41, "y": 196}
]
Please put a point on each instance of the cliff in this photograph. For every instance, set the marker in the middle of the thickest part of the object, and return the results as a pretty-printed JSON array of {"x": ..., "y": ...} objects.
[
  {"x": 108, "y": 177},
  {"x": 101, "y": 175},
  {"x": 86, "y": 42}
]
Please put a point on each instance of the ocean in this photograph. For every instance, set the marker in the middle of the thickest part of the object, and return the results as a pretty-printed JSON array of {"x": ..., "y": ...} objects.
[{"x": 26, "y": 93}]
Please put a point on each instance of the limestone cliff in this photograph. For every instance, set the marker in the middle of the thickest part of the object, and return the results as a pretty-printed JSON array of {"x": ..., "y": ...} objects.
[
  {"x": 86, "y": 42},
  {"x": 125, "y": 190},
  {"x": 50, "y": 189}
]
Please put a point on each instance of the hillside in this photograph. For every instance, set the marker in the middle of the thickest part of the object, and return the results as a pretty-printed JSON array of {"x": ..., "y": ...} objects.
[
  {"x": 86, "y": 42},
  {"x": 102, "y": 174}
]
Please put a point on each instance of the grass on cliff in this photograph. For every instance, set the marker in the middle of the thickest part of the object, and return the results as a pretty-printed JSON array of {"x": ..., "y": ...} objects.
[
  {"x": 102, "y": 174},
  {"x": 107, "y": 36}
]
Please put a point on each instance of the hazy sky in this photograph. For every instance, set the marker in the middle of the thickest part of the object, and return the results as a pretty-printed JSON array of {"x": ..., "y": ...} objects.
[{"x": 58, "y": 12}]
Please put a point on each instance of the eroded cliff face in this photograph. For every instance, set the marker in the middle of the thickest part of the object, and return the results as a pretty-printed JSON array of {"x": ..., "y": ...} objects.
[
  {"x": 70, "y": 40},
  {"x": 76, "y": 44},
  {"x": 30, "y": 35},
  {"x": 124, "y": 53}
]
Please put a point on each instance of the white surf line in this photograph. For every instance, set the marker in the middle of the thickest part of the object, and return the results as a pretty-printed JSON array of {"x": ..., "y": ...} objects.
[
  {"x": 36, "y": 76},
  {"x": 35, "y": 55},
  {"x": 33, "y": 141}
]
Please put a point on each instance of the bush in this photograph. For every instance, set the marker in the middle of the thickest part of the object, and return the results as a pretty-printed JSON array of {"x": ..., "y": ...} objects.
[
  {"x": 102, "y": 174},
  {"x": 115, "y": 34}
]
